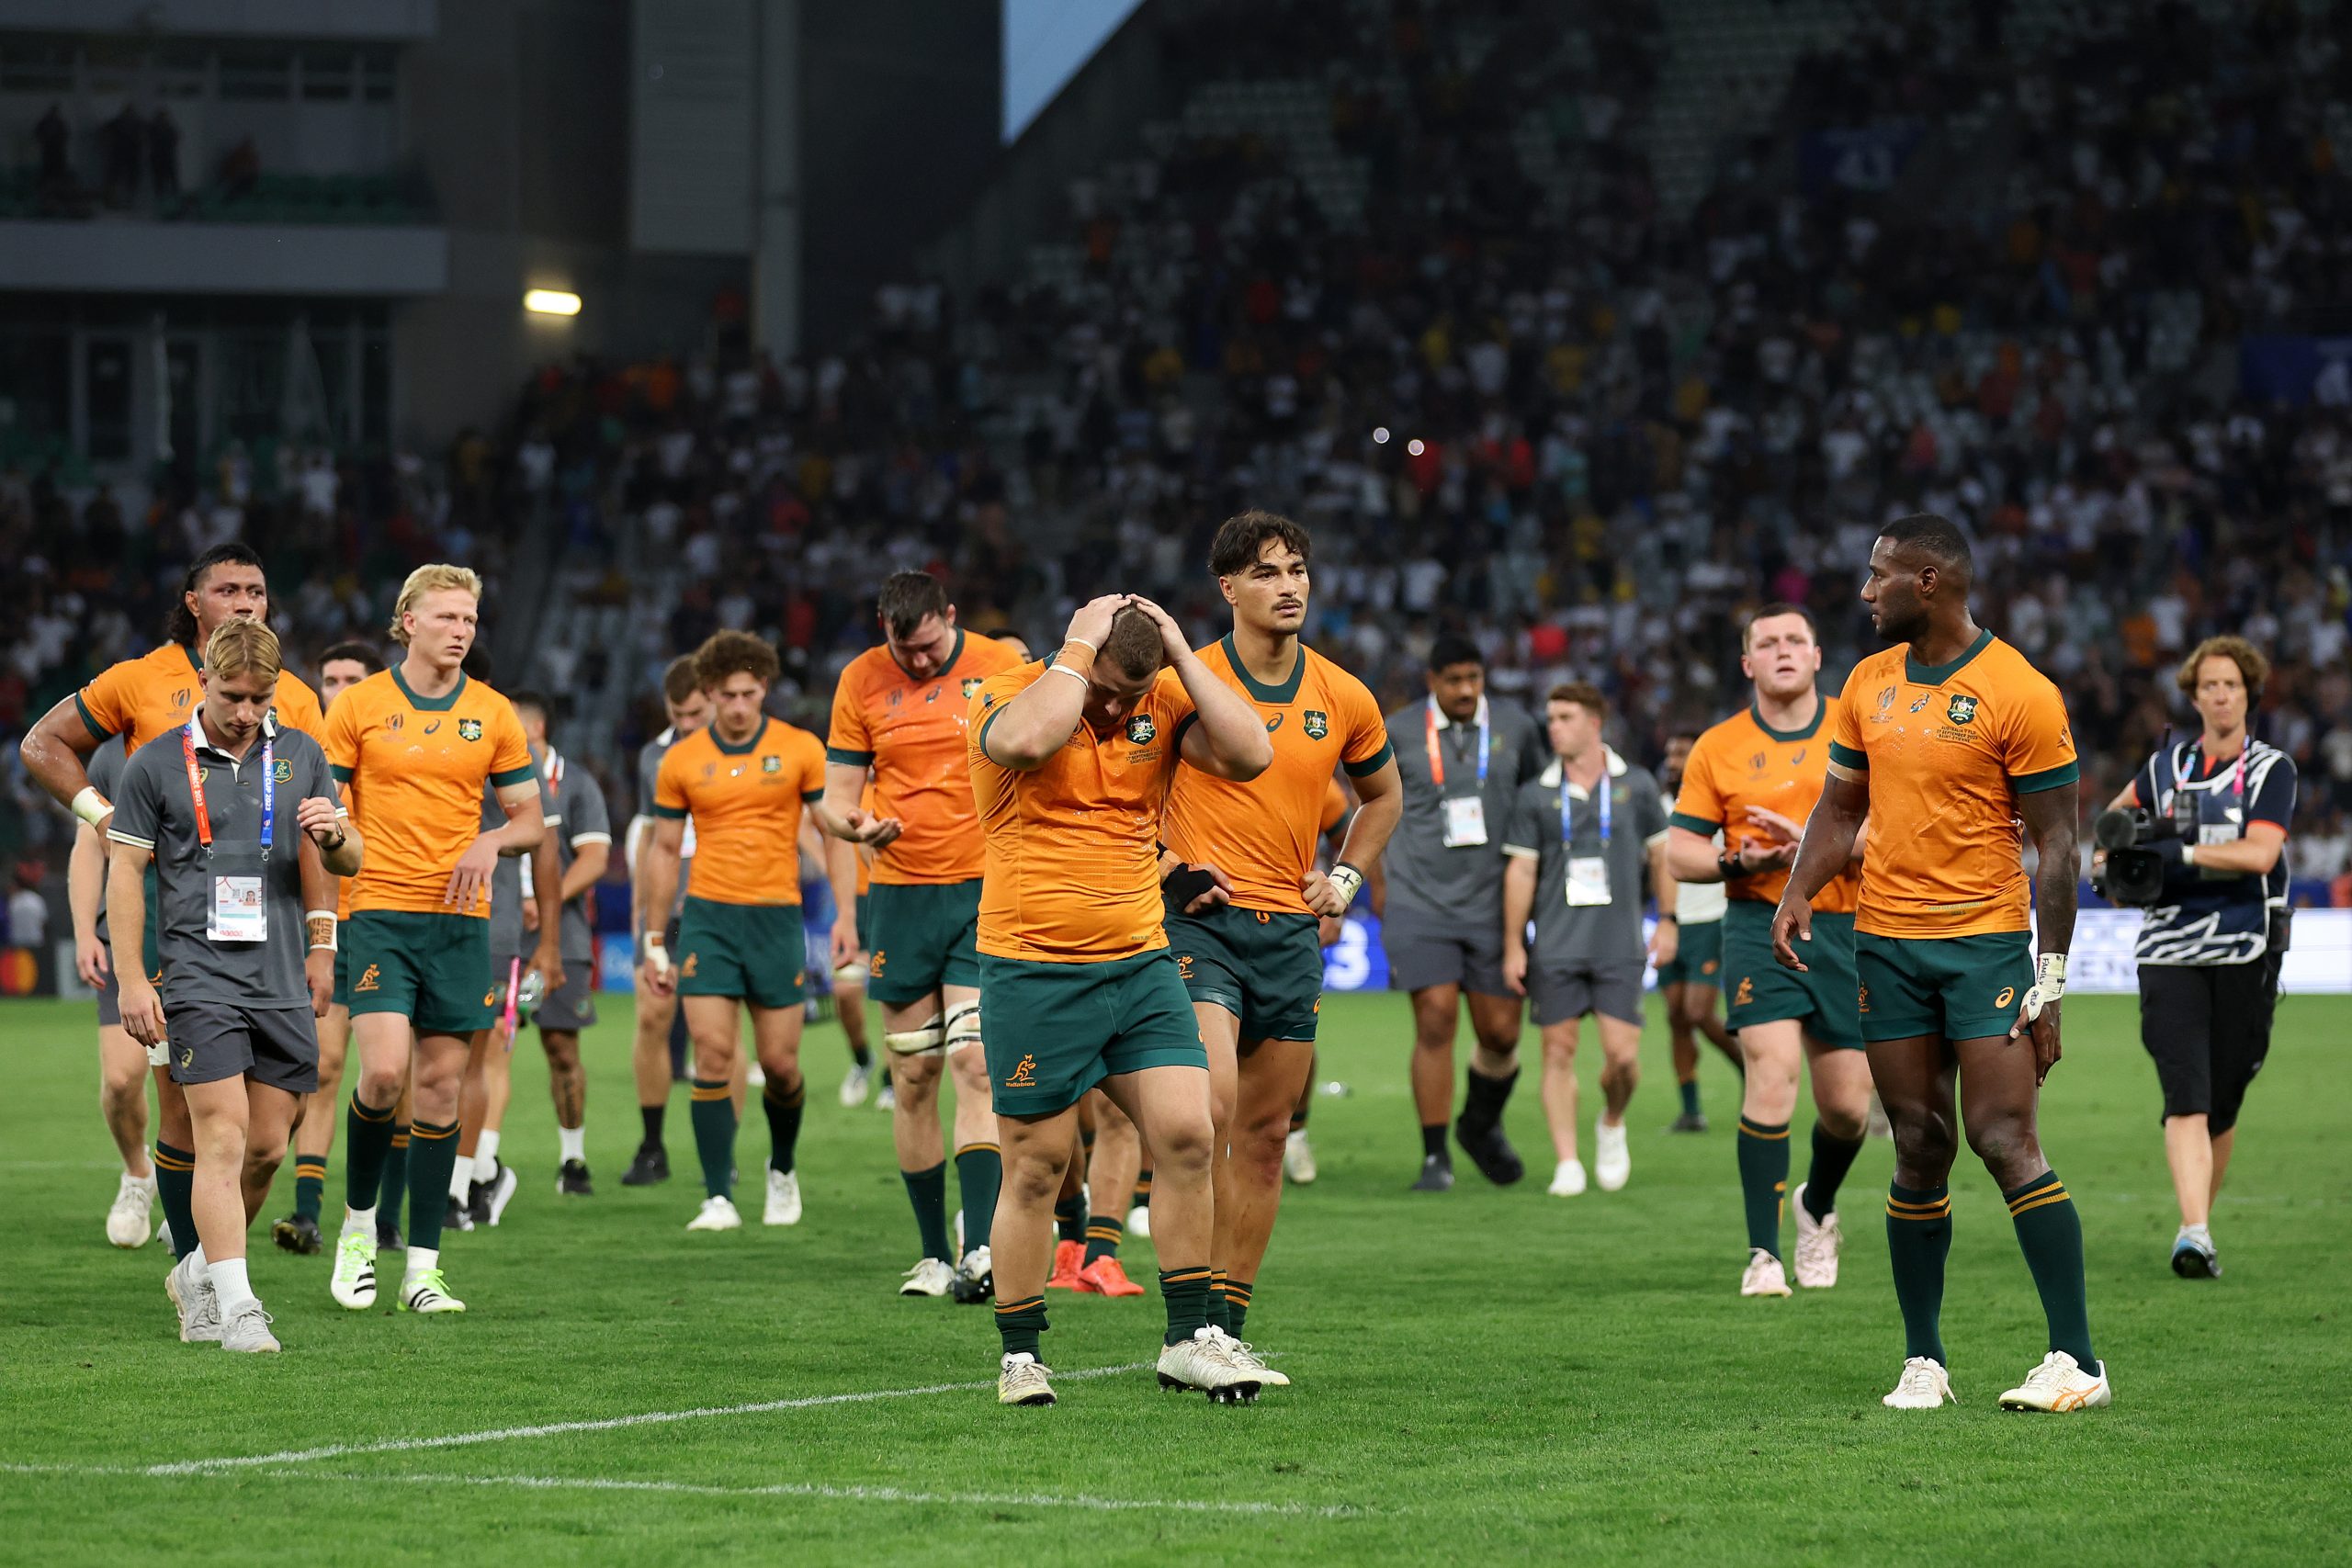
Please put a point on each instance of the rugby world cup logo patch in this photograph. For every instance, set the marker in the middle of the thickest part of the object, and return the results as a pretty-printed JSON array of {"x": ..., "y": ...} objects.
[
  {"x": 1962, "y": 710},
  {"x": 1141, "y": 731},
  {"x": 469, "y": 730}
]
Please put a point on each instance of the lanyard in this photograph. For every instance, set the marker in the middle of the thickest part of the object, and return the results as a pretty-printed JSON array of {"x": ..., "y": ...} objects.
[
  {"x": 196, "y": 786},
  {"x": 1437, "y": 757},
  {"x": 1567, "y": 831}
]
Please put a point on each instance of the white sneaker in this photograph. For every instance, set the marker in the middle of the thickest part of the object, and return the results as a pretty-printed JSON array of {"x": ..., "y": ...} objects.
[
  {"x": 1139, "y": 1220},
  {"x": 2058, "y": 1385},
  {"x": 1203, "y": 1363},
  {"x": 716, "y": 1214},
  {"x": 1244, "y": 1356},
  {"x": 1765, "y": 1276},
  {"x": 247, "y": 1330},
  {"x": 198, "y": 1307},
  {"x": 501, "y": 1190},
  {"x": 354, "y": 1285},
  {"x": 1021, "y": 1378},
  {"x": 755, "y": 1076},
  {"x": 132, "y": 1218},
  {"x": 1298, "y": 1159},
  {"x": 784, "y": 1198},
  {"x": 1611, "y": 1161},
  {"x": 1817, "y": 1244},
  {"x": 975, "y": 1276},
  {"x": 929, "y": 1278},
  {"x": 857, "y": 1086},
  {"x": 1568, "y": 1180},
  {"x": 1923, "y": 1386}
]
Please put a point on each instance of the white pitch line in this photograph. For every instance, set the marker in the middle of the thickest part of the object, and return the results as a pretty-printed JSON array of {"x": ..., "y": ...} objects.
[
  {"x": 608, "y": 1424},
  {"x": 846, "y": 1493}
]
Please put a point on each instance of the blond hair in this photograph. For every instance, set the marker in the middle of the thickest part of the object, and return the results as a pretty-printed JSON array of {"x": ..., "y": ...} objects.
[
  {"x": 2253, "y": 668},
  {"x": 243, "y": 647},
  {"x": 431, "y": 579}
]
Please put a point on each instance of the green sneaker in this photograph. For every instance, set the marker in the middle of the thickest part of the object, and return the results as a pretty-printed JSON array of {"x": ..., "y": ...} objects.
[
  {"x": 355, "y": 1270},
  {"x": 428, "y": 1292}
]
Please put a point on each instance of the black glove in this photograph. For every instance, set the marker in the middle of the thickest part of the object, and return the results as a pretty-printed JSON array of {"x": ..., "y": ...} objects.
[{"x": 1185, "y": 883}]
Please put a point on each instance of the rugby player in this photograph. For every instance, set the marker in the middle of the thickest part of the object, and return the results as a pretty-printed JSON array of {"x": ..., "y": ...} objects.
[
  {"x": 744, "y": 779},
  {"x": 1071, "y": 762},
  {"x": 140, "y": 699},
  {"x": 899, "y": 715},
  {"x": 235, "y": 840},
  {"x": 1298, "y": 1154},
  {"x": 1250, "y": 949},
  {"x": 1946, "y": 741},
  {"x": 850, "y": 980},
  {"x": 1440, "y": 902},
  {"x": 341, "y": 667},
  {"x": 1579, "y": 841},
  {"x": 413, "y": 747},
  {"x": 1691, "y": 982},
  {"x": 1754, "y": 779},
  {"x": 122, "y": 1061},
  {"x": 658, "y": 1021}
]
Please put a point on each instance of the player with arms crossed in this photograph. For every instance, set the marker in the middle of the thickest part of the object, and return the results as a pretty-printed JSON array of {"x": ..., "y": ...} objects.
[
  {"x": 1945, "y": 742},
  {"x": 1071, "y": 761},
  {"x": 1250, "y": 947},
  {"x": 1755, "y": 778},
  {"x": 900, "y": 712},
  {"x": 744, "y": 779},
  {"x": 412, "y": 748}
]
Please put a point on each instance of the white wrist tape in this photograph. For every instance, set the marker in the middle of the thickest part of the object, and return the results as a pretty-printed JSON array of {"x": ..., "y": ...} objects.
[
  {"x": 328, "y": 916},
  {"x": 1347, "y": 881},
  {"x": 2049, "y": 985},
  {"x": 90, "y": 806},
  {"x": 655, "y": 953},
  {"x": 1066, "y": 670}
]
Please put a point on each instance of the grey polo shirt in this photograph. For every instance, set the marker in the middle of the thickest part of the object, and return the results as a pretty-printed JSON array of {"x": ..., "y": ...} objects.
[
  {"x": 154, "y": 810},
  {"x": 1593, "y": 935},
  {"x": 506, "y": 935},
  {"x": 1462, "y": 885},
  {"x": 649, "y": 769},
  {"x": 106, "y": 776},
  {"x": 580, "y": 802}
]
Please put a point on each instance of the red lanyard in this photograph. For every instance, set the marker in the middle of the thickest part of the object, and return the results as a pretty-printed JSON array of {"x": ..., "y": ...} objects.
[{"x": 196, "y": 786}]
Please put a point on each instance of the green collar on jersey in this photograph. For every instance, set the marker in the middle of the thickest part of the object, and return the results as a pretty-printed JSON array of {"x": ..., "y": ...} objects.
[
  {"x": 1278, "y": 695},
  {"x": 1920, "y": 674},
  {"x": 430, "y": 704},
  {"x": 1820, "y": 711}
]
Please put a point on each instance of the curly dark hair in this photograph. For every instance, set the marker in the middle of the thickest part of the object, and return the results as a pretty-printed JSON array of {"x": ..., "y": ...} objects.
[{"x": 733, "y": 653}]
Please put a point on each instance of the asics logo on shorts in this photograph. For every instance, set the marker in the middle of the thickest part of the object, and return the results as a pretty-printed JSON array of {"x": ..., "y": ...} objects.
[
  {"x": 1745, "y": 994},
  {"x": 490, "y": 997},
  {"x": 369, "y": 979},
  {"x": 1710, "y": 966},
  {"x": 2009, "y": 994},
  {"x": 188, "y": 1056},
  {"x": 1024, "y": 1073}
]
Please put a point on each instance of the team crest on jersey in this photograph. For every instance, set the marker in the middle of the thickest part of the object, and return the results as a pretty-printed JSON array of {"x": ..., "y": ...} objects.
[
  {"x": 469, "y": 730},
  {"x": 1317, "y": 723},
  {"x": 1140, "y": 729},
  {"x": 771, "y": 764},
  {"x": 1962, "y": 710},
  {"x": 971, "y": 684},
  {"x": 283, "y": 773}
]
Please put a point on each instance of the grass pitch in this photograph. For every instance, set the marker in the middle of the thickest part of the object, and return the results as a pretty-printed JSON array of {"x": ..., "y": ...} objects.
[{"x": 1489, "y": 1374}]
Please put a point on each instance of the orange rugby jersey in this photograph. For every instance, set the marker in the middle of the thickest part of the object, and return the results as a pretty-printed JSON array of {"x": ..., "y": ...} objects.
[
  {"x": 1072, "y": 861},
  {"x": 142, "y": 698},
  {"x": 746, "y": 802},
  {"x": 413, "y": 771},
  {"x": 1743, "y": 762},
  {"x": 1947, "y": 751},
  {"x": 1261, "y": 834},
  {"x": 913, "y": 734}
]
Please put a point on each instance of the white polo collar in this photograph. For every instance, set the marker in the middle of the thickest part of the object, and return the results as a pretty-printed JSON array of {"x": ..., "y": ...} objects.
[
  {"x": 1551, "y": 777},
  {"x": 1445, "y": 721}
]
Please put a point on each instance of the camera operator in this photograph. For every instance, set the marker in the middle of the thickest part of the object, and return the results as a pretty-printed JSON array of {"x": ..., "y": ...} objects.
[{"x": 2198, "y": 838}]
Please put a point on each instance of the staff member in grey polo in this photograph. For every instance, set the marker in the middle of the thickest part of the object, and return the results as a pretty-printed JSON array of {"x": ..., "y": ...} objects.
[
  {"x": 241, "y": 820},
  {"x": 1580, "y": 839},
  {"x": 1439, "y": 898}
]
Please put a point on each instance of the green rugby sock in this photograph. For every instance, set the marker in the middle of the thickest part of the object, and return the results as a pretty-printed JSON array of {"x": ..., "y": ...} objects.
[
  {"x": 1918, "y": 1238},
  {"x": 432, "y": 1159},
  {"x": 1186, "y": 1293},
  {"x": 862, "y": 1055},
  {"x": 927, "y": 1191},
  {"x": 2049, "y": 1231},
  {"x": 1832, "y": 1158},
  {"x": 392, "y": 1188},
  {"x": 783, "y": 1107},
  {"x": 1069, "y": 1219},
  {"x": 310, "y": 1185},
  {"x": 1217, "y": 1299},
  {"x": 1019, "y": 1323},
  {"x": 1689, "y": 1097},
  {"x": 1236, "y": 1305},
  {"x": 175, "y": 1189},
  {"x": 366, "y": 1141},
  {"x": 1142, "y": 1200},
  {"x": 713, "y": 1115},
  {"x": 1763, "y": 1179},
  {"x": 1104, "y": 1234},
  {"x": 979, "y": 1176}
]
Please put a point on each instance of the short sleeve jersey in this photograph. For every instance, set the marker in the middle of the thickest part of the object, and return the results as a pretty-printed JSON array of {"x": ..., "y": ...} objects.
[
  {"x": 1948, "y": 749},
  {"x": 506, "y": 892},
  {"x": 913, "y": 734},
  {"x": 156, "y": 692},
  {"x": 746, "y": 802},
  {"x": 1072, "y": 863},
  {"x": 580, "y": 803},
  {"x": 1262, "y": 833},
  {"x": 413, "y": 769},
  {"x": 1744, "y": 761},
  {"x": 649, "y": 772}
]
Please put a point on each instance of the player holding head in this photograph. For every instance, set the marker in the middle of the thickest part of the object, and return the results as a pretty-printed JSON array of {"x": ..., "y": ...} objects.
[
  {"x": 414, "y": 748},
  {"x": 1251, "y": 947},
  {"x": 340, "y": 667},
  {"x": 140, "y": 699},
  {"x": 1754, "y": 779},
  {"x": 1071, "y": 762},
  {"x": 900, "y": 726},
  {"x": 688, "y": 708},
  {"x": 744, "y": 779},
  {"x": 1946, "y": 741},
  {"x": 1690, "y": 985}
]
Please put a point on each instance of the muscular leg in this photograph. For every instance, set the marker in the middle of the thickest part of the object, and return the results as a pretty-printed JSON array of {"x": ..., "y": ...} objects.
[
  {"x": 1680, "y": 1041},
  {"x": 1436, "y": 1009},
  {"x": 650, "y": 1060},
  {"x": 1171, "y": 1108},
  {"x": 498, "y": 1092},
  {"x": 1560, "y": 1085},
  {"x": 1621, "y": 1066},
  {"x": 914, "y": 1119},
  {"x": 849, "y": 1006},
  {"x": 775, "y": 1033},
  {"x": 1038, "y": 1152},
  {"x": 1914, "y": 1083},
  {"x": 567, "y": 1080},
  {"x": 1998, "y": 1099},
  {"x": 1768, "y": 1099},
  {"x": 438, "y": 1073},
  {"x": 218, "y": 1130},
  {"x": 1841, "y": 1111},
  {"x": 1110, "y": 1176},
  {"x": 383, "y": 1040},
  {"x": 2189, "y": 1150},
  {"x": 174, "y": 1161},
  {"x": 711, "y": 1020},
  {"x": 1271, "y": 1074},
  {"x": 269, "y": 1125},
  {"x": 1221, "y": 1034},
  {"x": 122, "y": 1097}
]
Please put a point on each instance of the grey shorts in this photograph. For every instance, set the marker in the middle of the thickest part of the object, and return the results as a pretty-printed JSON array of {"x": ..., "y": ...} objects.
[
  {"x": 213, "y": 1040},
  {"x": 570, "y": 1006},
  {"x": 1427, "y": 949},
  {"x": 110, "y": 997},
  {"x": 1564, "y": 991}
]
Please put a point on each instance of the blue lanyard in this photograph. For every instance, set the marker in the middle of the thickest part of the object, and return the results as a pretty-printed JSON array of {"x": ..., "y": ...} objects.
[{"x": 1568, "y": 828}]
